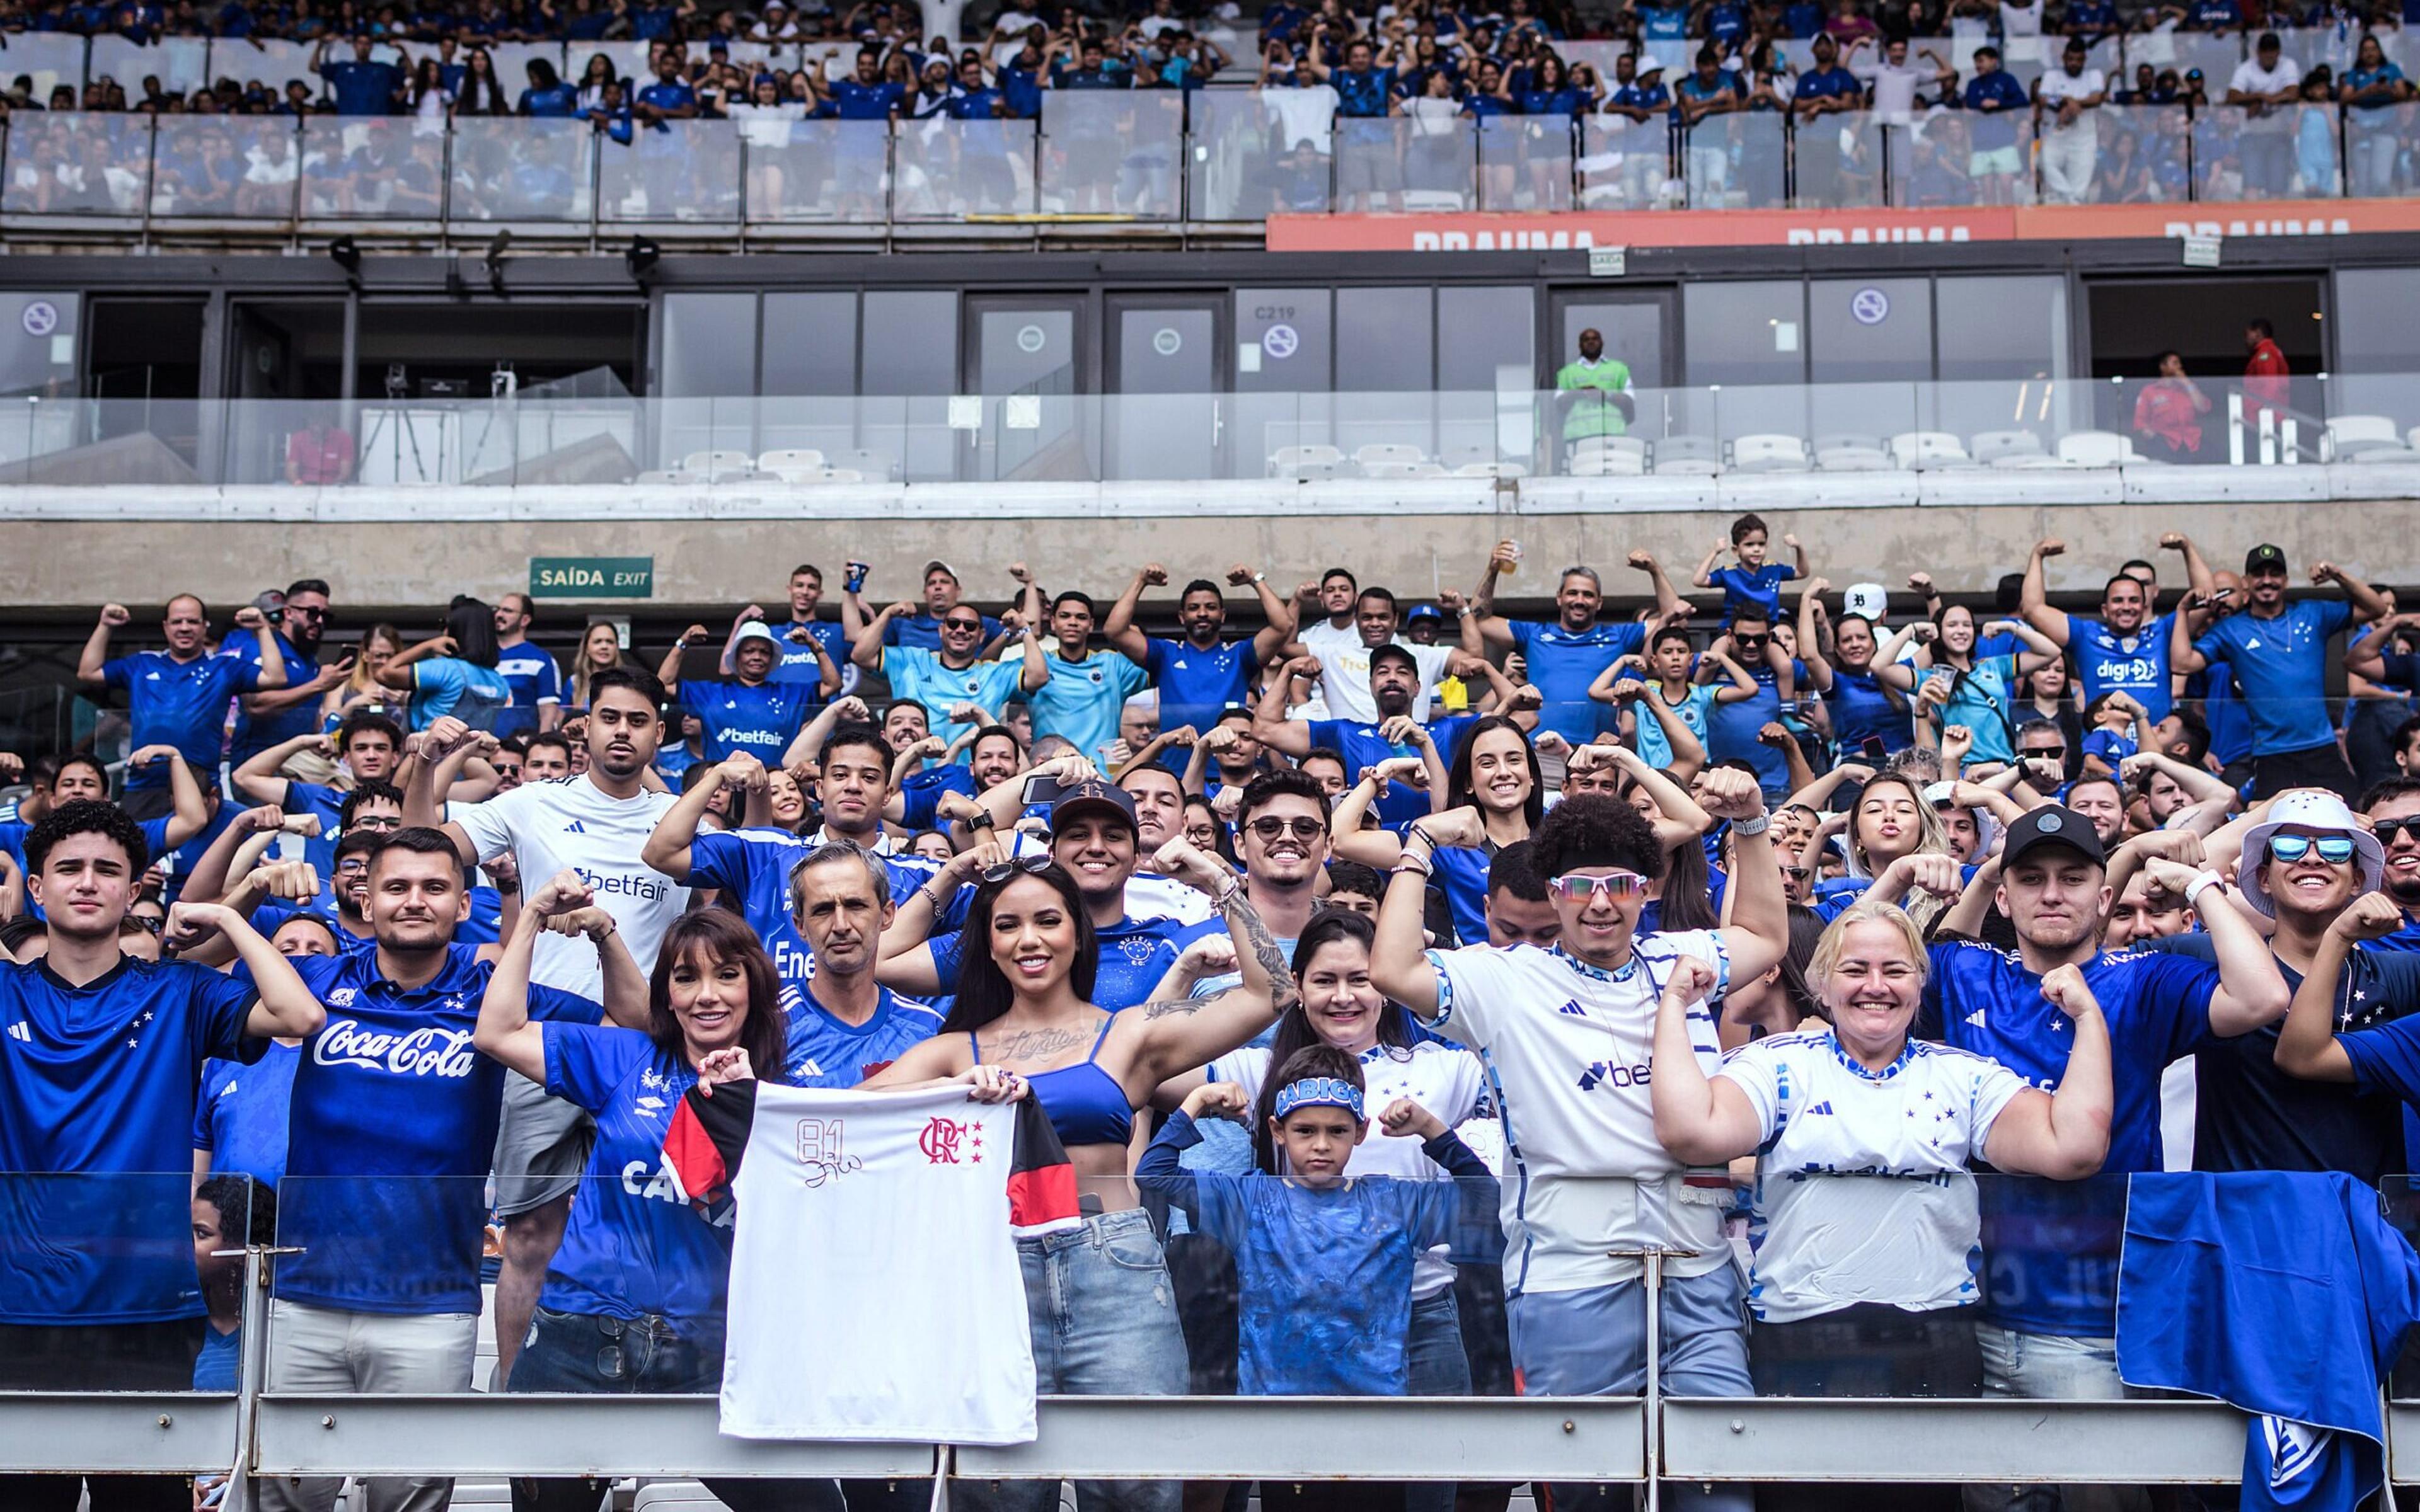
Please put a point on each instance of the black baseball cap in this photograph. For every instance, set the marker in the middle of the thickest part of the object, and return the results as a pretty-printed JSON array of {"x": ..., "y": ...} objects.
[
  {"x": 2264, "y": 557},
  {"x": 1095, "y": 796},
  {"x": 1390, "y": 651},
  {"x": 2053, "y": 826}
]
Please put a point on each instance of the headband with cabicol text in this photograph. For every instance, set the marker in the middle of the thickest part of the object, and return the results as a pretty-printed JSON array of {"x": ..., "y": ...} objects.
[{"x": 1320, "y": 1092}]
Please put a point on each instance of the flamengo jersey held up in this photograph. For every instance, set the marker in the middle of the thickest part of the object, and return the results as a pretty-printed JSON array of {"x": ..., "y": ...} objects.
[{"x": 917, "y": 1195}]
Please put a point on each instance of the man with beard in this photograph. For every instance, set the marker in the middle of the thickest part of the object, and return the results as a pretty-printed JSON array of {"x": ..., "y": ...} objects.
[
  {"x": 384, "y": 1297},
  {"x": 1200, "y": 675},
  {"x": 269, "y": 716},
  {"x": 993, "y": 757},
  {"x": 1344, "y": 662},
  {"x": 1394, "y": 687},
  {"x": 2393, "y": 809},
  {"x": 2051, "y": 1323},
  {"x": 177, "y": 697},
  {"x": 2279, "y": 652},
  {"x": 1093, "y": 832},
  {"x": 945, "y": 681},
  {"x": 595, "y": 824},
  {"x": 2304, "y": 862},
  {"x": 1159, "y": 817},
  {"x": 2125, "y": 650}
]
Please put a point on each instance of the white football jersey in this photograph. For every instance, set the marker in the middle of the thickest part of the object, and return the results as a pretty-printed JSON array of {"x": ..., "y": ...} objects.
[{"x": 571, "y": 821}]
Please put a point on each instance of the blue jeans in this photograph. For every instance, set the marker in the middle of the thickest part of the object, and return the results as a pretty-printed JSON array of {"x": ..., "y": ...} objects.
[
  {"x": 656, "y": 1357},
  {"x": 1434, "y": 1366},
  {"x": 1593, "y": 1343},
  {"x": 2052, "y": 1367},
  {"x": 1102, "y": 1313}
]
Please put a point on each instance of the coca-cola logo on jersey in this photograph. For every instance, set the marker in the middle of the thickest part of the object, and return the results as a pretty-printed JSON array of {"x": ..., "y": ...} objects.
[{"x": 426, "y": 1052}]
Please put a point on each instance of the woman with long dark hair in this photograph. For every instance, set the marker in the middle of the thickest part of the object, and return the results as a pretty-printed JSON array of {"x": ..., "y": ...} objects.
[
  {"x": 635, "y": 1296},
  {"x": 1024, "y": 1024},
  {"x": 1341, "y": 1009},
  {"x": 1494, "y": 797},
  {"x": 454, "y": 673}
]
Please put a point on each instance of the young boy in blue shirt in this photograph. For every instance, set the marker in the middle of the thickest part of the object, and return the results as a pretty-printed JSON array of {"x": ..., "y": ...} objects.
[{"x": 1755, "y": 581}]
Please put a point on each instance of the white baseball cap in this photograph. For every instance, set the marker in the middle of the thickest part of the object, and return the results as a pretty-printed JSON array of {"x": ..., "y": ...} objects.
[{"x": 1866, "y": 601}]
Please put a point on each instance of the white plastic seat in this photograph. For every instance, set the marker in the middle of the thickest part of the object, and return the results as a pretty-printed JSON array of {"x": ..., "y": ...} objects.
[
  {"x": 1490, "y": 470},
  {"x": 1610, "y": 463},
  {"x": 1847, "y": 441},
  {"x": 2096, "y": 449},
  {"x": 674, "y": 476},
  {"x": 1989, "y": 446},
  {"x": 1687, "y": 467},
  {"x": 686, "y": 1494},
  {"x": 483, "y": 1493},
  {"x": 1930, "y": 448},
  {"x": 1386, "y": 454},
  {"x": 711, "y": 463},
  {"x": 1768, "y": 453},
  {"x": 870, "y": 463},
  {"x": 2383, "y": 453},
  {"x": 2347, "y": 436},
  {"x": 2025, "y": 461},
  {"x": 1585, "y": 444},
  {"x": 1402, "y": 469},
  {"x": 1290, "y": 461},
  {"x": 789, "y": 460},
  {"x": 1694, "y": 448},
  {"x": 1855, "y": 459}
]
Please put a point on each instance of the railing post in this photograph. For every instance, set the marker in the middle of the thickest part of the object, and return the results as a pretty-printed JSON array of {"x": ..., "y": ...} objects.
[
  {"x": 251, "y": 1373},
  {"x": 2235, "y": 430}
]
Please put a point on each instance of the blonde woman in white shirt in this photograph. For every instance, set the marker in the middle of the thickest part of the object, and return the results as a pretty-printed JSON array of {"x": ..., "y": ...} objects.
[{"x": 1864, "y": 1282}]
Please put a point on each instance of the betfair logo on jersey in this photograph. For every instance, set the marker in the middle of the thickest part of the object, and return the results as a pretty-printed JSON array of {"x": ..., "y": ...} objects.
[
  {"x": 821, "y": 1158},
  {"x": 647, "y": 887},
  {"x": 427, "y": 1052},
  {"x": 1609, "y": 1074}
]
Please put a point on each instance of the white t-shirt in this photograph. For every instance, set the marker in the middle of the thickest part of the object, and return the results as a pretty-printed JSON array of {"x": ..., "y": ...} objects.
[
  {"x": 2251, "y": 79},
  {"x": 1344, "y": 675},
  {"x": 876, "y": 1194},
  {"x": 1863, "y": 1192},
  {"x": 571, "y": 821},
  {"x": 1149, "y": 895},
  {"x": 1895, "y": 89},
  {"x": 2058, "y": 85},
  {"x": 1567, "y": 1048},
  {"x": 2020, "y": 21},
  {"x": 1449, "y": 1083}
]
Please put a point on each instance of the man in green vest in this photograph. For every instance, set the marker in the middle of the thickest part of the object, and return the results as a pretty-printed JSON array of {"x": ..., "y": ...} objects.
[{"x": 1594, "y": 392}]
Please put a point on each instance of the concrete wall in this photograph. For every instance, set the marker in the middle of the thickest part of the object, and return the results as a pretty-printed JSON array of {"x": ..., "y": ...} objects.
[{"x": 67, "y": 565}]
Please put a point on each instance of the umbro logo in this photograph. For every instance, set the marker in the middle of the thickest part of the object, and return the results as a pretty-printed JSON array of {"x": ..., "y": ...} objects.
[{"x": 575, "y": 828}]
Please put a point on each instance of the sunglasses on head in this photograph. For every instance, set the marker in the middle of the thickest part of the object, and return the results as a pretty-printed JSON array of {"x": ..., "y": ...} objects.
[
  {"x": 2334, "y": 848},
  {"x": 1269, "y": 826},
  {"x": 2386, "y": 829},
  {"x": 1030, "y": 865},
  {"x": 1573, "y": 888}
]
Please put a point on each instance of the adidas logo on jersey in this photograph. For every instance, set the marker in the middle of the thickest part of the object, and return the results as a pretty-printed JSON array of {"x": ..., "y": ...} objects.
[
  {"x": 1976, "y": 1018},
  {"x": 807, "y": 1068},
  {"x": 22, "y": 1031},
  {"x": 1820, "y": 1108},
  {"x": 1574, "y": 1009},
  {"x": 575, "y": 828}
]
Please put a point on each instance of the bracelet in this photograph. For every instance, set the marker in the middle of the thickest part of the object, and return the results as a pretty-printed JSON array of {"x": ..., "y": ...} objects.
[
  {"x": 1757, "y": 825},
  {"x": 1408, "y": 862},
  {"x": 1416, "y": 832},
  {"x": 1228, "y": 894},
  {"x": 931, "y": 898},
  {"x": 2202, "y": 883}
]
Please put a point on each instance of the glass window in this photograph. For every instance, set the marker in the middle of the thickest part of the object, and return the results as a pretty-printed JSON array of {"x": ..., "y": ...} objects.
[
  {"x": 910, "y": 340},
  {"x": 1386, "y": 342},
  {"x": 2002, "y": 328},
  {"x": 38, "y": 342},
  {"x": 709, "y": 345},
  {"x": 2378, "y": 320},
  {"x": 1485, "y": 337},
  {"x": 1282, "y": 340},
  {"x": 1869, "y": 330},
  {"x": 810, "y": 343},
  {"x": 1751, "y": 332}
]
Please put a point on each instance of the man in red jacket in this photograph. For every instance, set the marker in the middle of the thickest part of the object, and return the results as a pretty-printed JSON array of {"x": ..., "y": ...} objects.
[{"x": 2265, "y": 375}]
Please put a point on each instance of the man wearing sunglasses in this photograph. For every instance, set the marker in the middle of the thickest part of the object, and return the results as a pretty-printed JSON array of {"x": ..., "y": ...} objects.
[
  {"x": 1735, "y": 730},
  {"x": 1394, "y": 687},
  {"x": 1092, "y": 834},
  {"x": 2393, "y": 809},
  {"x": 272, "y": 717},
  {"x": 2050, "y": 1328},
  {"x": 1567, "y": 1030},
  {"x": 2305, "y": 860},
  {"x": 956, "y": 675}
]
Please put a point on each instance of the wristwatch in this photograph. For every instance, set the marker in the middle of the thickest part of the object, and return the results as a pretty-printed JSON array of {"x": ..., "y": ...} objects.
[
  {"x": 1757, "y": 825},
  {"x": 983, "y": 819},
  {"x": 1260, "y": 577}
]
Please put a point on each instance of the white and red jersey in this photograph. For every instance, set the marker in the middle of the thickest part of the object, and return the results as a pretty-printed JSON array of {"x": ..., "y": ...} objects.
[{"x": 845, "y": 1200}]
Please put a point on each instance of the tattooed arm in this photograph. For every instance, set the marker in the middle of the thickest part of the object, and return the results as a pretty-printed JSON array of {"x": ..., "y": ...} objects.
[{"x": 1175, "y": 1034}]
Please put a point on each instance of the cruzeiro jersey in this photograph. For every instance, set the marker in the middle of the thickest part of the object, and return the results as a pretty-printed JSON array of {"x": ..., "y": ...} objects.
[
  {"x": 912, "y": 1194},
  {"x": 1862, "y": 1191},
  {"x": 572, "y": 823}
]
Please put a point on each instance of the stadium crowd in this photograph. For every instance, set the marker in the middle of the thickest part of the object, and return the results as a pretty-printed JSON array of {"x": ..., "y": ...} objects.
[{"x": 407, "y": 934}]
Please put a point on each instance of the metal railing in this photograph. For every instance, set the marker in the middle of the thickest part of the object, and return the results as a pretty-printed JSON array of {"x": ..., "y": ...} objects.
[
  {"x": 1211, "y": 157},
  {"x": 2002, "y": 428}
]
